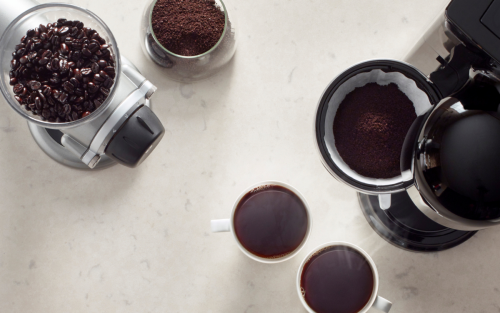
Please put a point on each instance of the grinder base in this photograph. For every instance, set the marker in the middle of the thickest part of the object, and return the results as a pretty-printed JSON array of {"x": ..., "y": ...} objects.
[
  {"x": 49, "y": 140},
  {"x": 404, "y": 226}
]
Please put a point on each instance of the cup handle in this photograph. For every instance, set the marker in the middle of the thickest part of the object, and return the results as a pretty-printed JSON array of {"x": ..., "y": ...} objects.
[
  {"x": 384, "y": 200},
  {"x": 219, "y": 226},
  {"x": 382, "y": 304}
]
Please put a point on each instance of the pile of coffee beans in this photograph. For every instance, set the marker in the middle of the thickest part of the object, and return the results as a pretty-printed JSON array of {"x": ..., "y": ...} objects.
[
  {"x": 62, "y": 71},
  {"x": 187, "y": 27}
]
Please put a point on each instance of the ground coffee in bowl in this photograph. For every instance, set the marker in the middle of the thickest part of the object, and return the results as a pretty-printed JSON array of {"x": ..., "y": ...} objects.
[
  {"x": 370, "y": 128},
  {"x": 187, "y": 27}
]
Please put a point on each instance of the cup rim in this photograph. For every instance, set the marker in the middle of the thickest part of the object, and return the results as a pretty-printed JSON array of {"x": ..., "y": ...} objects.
[
  {"x": 302, "y": 244},
  {"x": 349, "y": 245},
  {"x": 226, "y": 19}
]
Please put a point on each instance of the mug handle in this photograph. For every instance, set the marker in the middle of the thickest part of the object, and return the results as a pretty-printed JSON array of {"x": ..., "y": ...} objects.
[
  {"x": 219, "y": 226},
  {"x": 382, "y": 304}
]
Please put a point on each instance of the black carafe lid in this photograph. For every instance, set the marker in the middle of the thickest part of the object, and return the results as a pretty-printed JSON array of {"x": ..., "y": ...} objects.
[{"x": 454, "y": 154}]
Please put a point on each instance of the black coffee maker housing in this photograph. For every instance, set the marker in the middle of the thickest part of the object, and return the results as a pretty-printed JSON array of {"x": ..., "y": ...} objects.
[{"x": 450, "y": 161}]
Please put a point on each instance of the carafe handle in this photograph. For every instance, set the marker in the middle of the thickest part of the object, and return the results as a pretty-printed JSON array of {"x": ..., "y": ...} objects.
[{"x": 384, "y": 200}]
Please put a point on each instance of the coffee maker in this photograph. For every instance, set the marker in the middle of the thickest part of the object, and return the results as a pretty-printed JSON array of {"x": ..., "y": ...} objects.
[
  {"x": 123, "y": 129},
  {"x": 449, "y": 185}
]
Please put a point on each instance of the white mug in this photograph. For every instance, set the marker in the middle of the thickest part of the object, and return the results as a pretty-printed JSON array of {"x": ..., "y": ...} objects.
[
  {"x": 227, "y": 225},
  {"x": 375, "y": 300}
]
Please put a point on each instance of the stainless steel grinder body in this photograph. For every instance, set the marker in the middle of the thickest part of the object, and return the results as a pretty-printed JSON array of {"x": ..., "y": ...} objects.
[{"x": 125, "y": 132}]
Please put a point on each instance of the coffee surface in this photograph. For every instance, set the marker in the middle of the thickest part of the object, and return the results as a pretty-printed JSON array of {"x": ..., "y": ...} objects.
[
  {"x": 187, "y": 27},
  {"x": 337, "y": 280},
  {"x": 270, "y": 221},
  {"x": 370, "y": 128}
]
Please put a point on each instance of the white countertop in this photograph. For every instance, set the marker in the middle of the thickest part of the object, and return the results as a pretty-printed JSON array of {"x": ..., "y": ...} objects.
[{"x": 138, "y": 240}]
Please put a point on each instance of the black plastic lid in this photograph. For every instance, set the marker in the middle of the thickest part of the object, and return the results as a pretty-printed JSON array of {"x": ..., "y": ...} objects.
[
  {"x": 479, "y": 21},
  {"x": 136, "y": 139}
]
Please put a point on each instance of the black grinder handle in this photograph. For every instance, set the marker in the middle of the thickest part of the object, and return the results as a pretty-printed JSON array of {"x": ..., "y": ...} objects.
[{"x": 136, "y": 139}]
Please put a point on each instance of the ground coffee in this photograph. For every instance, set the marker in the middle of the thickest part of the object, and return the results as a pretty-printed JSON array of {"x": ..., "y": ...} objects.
[
  {"x": 370, "y": 128},
  {"x": 187, "y": 27}
]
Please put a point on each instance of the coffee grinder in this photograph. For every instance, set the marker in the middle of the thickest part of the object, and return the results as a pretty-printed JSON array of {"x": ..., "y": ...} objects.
[
  {"x": 122, "y": 130},
  {"x": 450, "y": 174}
]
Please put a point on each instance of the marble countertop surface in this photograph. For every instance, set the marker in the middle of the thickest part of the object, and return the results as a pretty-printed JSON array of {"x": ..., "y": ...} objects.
[{"x": 139, "y": 240}]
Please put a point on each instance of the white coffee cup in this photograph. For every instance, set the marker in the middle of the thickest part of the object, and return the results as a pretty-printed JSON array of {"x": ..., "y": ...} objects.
[
  {"x": 375, "y": 300},
  {"x": 227, "y": 225}
]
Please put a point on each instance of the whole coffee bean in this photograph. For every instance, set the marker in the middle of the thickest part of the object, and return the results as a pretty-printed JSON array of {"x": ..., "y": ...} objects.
[
  {"x": 93, "y": 47},
  {"x": 64, "y": 50},
  {"x": 99, "y": 78},
  {"x": 79, "y": 92},
  {"x": 18, "y": 89},
  {"x": 63, "y": 66},
  {"x": 56, "y": 93},
  {"x": 38, "y": 103},
  {"x": 79, "y": 100},
  {"x": 86, "y": 52},
  {"x": 86, "y": 71},
  {"x": 32, "y": 55},
  {"x": 23, "y": 60},
  {"x": 55, "y": 64},
  {"x": 92, "y": 88},
  {"x": 95, "y": 68},
  {"x": 63, "y": 31},
  {"x": 13, "y": 81},
  {"x": 108, "y": 82},
  {"x": 47, "y": 91},
  {"x": 74, "y": 82},
  {"x": 104, "y": 91},
  {"x": 102, "y": 64},
  {"x": 85, "y": 114},
  {"x": 47, "y": 54},
  {"x": 78, "y": 74},
  {"x": 43, "y": 61},
  {"x": 34, "y": 84},
  {"x": 77, "y": 55},
  {"x": 63, "y": 97},
  {"x": 42, "y": 28},
  {"x": 18, "y": 99},
  {"x": 110, "y": 71},
  {"x": 69, "y": 87},
  {"x": 30, "y": 33}
]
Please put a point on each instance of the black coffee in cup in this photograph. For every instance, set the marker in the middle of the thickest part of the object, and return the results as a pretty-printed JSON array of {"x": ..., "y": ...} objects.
[
  {"x": 271, "y": 221},
  {"x": 337, "y": 279}
]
